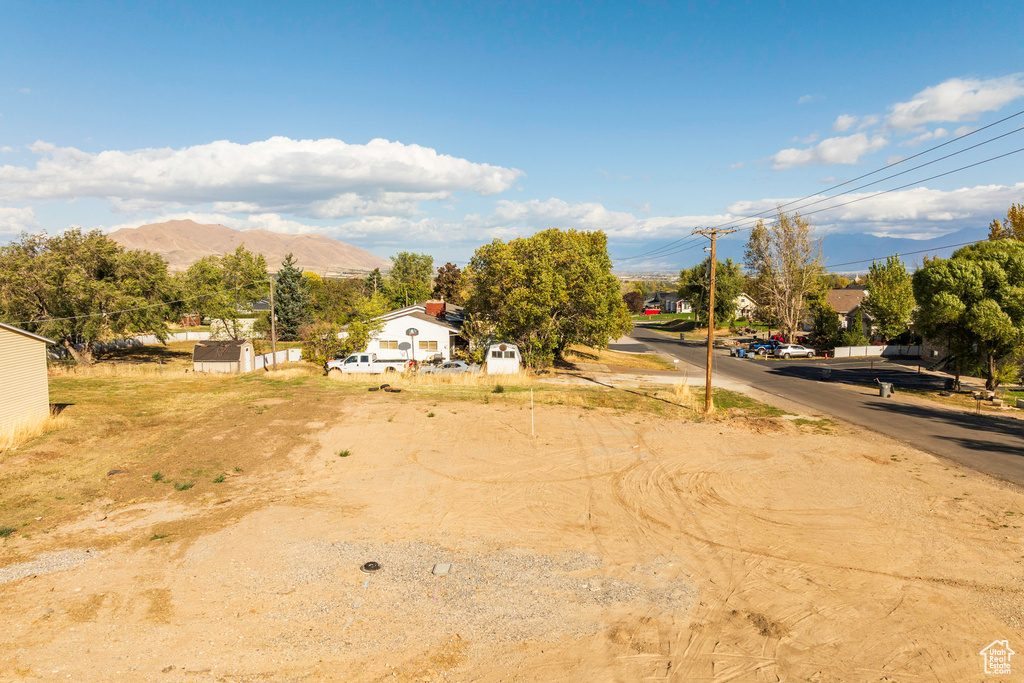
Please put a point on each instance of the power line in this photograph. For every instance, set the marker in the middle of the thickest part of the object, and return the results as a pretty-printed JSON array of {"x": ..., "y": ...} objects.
[
  {"x": 882, "y": 192},
  {"x": 906, "y": 253},
  {"x": 763, "y": 214}
]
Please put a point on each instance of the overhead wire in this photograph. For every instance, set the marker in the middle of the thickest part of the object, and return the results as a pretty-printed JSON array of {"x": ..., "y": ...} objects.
[{"x": 682, "y": 240}]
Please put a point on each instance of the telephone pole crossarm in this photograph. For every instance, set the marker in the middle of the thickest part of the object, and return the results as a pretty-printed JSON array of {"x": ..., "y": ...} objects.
[{"x": 713, "y": 235}]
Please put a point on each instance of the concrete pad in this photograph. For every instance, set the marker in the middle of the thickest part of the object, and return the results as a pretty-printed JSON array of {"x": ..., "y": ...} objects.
[{"x": 441, "y": 569}]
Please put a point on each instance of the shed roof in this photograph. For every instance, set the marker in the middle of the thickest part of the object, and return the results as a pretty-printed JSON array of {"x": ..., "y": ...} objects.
[
  {"x": 12, "y": 328},
  {"x": 845, "y": 300},
  {"x": 218, "y": 351}
]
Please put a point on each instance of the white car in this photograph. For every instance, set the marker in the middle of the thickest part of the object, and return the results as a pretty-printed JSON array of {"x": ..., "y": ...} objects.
[
  {"x": 449, "y": 368},
  {"x": 788, "y": 350}
]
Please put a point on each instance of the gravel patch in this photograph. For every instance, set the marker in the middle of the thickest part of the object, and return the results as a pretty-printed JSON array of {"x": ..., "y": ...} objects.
[
  {"x": 47, "y": 563},
  {"x": 504, "y": 595}
]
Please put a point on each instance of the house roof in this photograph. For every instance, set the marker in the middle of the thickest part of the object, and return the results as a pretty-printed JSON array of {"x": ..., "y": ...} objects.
[
  {"x": 12, "y": 328},
  {"x": 419, "y": 311},
  {"x": 218, "y": 351},
  {"x": 845, "y": 300}
]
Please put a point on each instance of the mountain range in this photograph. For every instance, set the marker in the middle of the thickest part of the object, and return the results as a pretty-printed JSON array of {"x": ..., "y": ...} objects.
[{"x": 182, "y": 243}]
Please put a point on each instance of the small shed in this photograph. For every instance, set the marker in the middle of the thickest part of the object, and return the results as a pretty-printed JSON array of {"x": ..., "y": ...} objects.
[
  {"x": 24, "y": 388},
  {"x": 503, "y": 359},
  {"x": 223, "y": 356}
]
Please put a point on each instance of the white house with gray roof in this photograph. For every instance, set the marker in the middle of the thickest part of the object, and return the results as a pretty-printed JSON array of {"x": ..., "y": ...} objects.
[{"x": 437, "y": 326}]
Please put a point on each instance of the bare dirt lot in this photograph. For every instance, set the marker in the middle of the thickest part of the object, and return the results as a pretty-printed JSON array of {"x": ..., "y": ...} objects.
[{"x": 626, "y": 541}]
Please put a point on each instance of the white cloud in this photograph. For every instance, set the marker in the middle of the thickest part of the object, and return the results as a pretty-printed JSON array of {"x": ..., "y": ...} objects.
[
  {"x": 6, "y": 149},
  {"x": 958, "y": 99},
  {"x": 927, "y": 136},
  {"x": 316, "y": 178},
  {"x": 738, "y": 164},
  {"x": 15, "y": 220},
  {"x": 843, "y": 123},
  {"x": 807, "y": 99},
  {"x": 837, "y": 150},
  {"x": 916, "y": 213},
  {"x": 962, "y": 130}
]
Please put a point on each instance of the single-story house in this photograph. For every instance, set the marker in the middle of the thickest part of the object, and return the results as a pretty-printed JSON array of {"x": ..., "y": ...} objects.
[
  {"x": 233, "y": 356},
  {"x": 24, "y": 388},
  {"x": 435, "y": 325},
  {"x": 848, "y": 303}
]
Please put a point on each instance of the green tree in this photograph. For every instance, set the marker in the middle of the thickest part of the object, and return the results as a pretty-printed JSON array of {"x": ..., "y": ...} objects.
[
  {"x": 320, "y": 342},
  {"x": 694, "y": 286},
  {"x": 409, "y": 278},
  {"x": 291, "y": 300},
  {"x": 784, "y": 262},
  {"x": 450, "y": 284},
  {"x": 548, "y": 291},
  {"x": 364, "y": 323},
  {"x": 333, "y": 300},
  {"x": 374, "y": 283},
  {"x": 854, "y": 334},
  {"x": 974, "y": 301},
  {"x": 827, "y": 330},
  {"x": 890, "y": 301},
  {"x": 1011, "y": 228},
  {"x": 79, "y": 288},
  {"x": 220, "y": 287},
  {"x": 634, "y": 302}
]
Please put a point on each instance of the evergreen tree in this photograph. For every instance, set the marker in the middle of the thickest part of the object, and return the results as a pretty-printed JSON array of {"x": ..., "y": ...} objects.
[{"x": 291, "y": 300}]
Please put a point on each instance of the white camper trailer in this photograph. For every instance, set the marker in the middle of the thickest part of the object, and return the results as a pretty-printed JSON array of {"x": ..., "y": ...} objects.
[{"x": 503, "y": 359}]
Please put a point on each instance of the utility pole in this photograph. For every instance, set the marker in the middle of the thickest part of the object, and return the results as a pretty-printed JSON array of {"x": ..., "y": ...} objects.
[
  {"x": 273, "y": 324},
  {"x": 712, "y": 234}
]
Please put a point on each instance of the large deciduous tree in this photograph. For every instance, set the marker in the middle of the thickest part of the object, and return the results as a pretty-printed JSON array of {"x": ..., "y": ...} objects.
[
  {"x": 634, "y": 302},
  {"x": 78, "y": 288},
  {"x": 547, "y": 292},
  {"x": 291, "y": 300},
  {"x": 450, "y": 284},
  {"x": 219, "y": 287},
  {"x": 694, "y": 286},
  {"x": 784, "y": 262},
  {"x": 974, "y": 301},
  {"x": 409, "y": 278},
  {"x": 333, "y": 300},
  {"x": 890, "y": 300}
]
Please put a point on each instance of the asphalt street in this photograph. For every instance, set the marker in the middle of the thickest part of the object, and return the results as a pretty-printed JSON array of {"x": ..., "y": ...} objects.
[{"x": 988, "y": 443}]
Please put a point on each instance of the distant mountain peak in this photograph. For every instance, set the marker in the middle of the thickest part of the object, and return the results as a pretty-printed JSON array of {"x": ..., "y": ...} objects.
[{"x": 183, "y": 242}]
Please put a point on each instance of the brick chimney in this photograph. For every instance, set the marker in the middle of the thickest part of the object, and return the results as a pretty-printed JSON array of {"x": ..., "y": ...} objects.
[{"x": 435, "y": 308}]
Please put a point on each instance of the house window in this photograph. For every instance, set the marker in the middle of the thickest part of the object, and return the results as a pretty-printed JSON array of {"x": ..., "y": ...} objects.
[
  {"x": 389, "y": 344},
  {"x": 428, "y": 346},
  {"x": 510, "y": 354},
  {"x": 495, "y": 354}
]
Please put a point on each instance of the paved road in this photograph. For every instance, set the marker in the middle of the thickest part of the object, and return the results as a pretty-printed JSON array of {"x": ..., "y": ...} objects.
[{"x": 988, "y": 443}]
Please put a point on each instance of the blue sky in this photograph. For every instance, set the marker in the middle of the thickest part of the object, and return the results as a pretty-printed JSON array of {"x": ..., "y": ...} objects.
[{"x": 438, "y": 128}]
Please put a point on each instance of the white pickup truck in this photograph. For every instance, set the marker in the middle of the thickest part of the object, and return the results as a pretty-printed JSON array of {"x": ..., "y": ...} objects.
[{"x": 366, "y": 363}]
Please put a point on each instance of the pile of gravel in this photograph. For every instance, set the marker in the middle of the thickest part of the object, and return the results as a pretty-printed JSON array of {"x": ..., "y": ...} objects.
[
  {"x": 490, "y": 595},
  {"x": 46, "y": 563}
]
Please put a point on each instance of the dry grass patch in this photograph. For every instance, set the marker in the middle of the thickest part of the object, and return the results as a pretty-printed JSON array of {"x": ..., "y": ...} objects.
[
  {"x": 25, "y": 430},
  {"x": 641, "y": 361}
]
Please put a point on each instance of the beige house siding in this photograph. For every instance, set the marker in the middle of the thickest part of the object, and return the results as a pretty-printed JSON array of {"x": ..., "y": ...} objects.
[{"x": 24, "y": 393}]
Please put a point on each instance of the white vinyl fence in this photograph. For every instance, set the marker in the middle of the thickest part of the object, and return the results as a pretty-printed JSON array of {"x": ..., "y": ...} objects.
[
  {"x": 878, "y": 351},
  {"x": 285, "y": 355}
]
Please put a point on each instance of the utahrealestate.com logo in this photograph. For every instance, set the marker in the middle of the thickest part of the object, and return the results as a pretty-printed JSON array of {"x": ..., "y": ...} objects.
[{"x": 997, "y": 657}]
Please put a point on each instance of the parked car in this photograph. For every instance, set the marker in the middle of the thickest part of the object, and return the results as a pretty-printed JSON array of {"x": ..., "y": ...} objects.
[
  {"x": 788, "y": 350},
  {"x": 366, "y": 363},
  {"x": 777, "y": 338},
  {"x": 449, "y": 368},
  {"x": 763, "y": 348}
]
